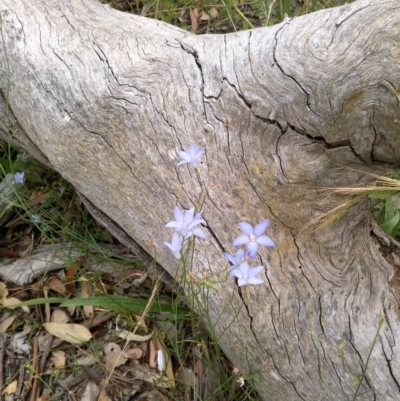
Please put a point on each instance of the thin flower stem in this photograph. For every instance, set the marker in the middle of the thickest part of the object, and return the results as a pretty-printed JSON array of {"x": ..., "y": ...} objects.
[{"x": 364, "y": 372}]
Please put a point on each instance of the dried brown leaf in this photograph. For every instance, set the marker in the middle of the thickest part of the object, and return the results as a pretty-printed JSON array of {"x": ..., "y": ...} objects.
[
  {"x": 59, "y": 316},
  {"x": 11, "y": 302},
  {"x": 6, "y": 323},
  {"x": 8, "y": 253},
  {"x": 91, "y": 393},
  {"x": 213, "y": 12},
  {"x": 11, "y": 388},
  {"x": 3, "y": 290},
  {"x": 113, "y": 355},
  {"x": 56, "y": 285},
  {"x": 39, "y": 196},
  {"x": 135, "y": 353},
  {"x": 193, "y": 20},
  {"x": 72, "y": 333},
  {"x": 58, "y": 358},
  {"x": 153, "y": 353}
]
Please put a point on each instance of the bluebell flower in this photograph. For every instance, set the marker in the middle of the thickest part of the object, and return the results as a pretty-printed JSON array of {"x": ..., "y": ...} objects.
[
  {"x": 19, "y": 178},
  {"x": 187, "y": 223},
  {"x": 191, "y": 157},
  {"x": 160, "y": 360},
  {"x": 247, "y": 275},
  {"x": 236, "y": 260},
  {"x": 252, "y": 237},
  {"x": 175, "y": 245},
  {"x": 35, "y": 218}
]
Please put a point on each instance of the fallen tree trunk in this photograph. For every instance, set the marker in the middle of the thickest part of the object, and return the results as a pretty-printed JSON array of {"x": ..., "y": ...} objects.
[{"x": 109, "y": 98}]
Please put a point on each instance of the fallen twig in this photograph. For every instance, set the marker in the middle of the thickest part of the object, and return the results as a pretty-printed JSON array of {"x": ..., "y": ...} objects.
[
  {"x": 34, "y": 371},
  {"x": 2, "y": 346}
]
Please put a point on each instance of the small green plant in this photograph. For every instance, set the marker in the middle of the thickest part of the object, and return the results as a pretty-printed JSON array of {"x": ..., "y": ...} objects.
[
  {"x": 384, "y": 203},
  {"x": 385, "y": 207},
  {"x": 208, "y": 16}
]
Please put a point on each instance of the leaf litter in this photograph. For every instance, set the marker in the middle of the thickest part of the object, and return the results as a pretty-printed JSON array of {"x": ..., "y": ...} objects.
[{"x": 77, "y": 325}]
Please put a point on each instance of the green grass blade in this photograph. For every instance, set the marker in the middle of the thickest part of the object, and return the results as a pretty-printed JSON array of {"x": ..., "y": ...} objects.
[
  {"x": 118, "y": 303},
  {"x": 125, "y": 304},
  {"x": 40, "y": 301}
]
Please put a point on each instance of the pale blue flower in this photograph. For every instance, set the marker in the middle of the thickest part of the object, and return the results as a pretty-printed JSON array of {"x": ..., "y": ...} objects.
[
  {"x": 252, "y": 237},
  {"x": 175, "y": 245},
  {"x": 187, "y": 223},
  {"x": 236, "y": 260},
  {"x": 35, "y": 218},
  {"x": 19, "y": 178},
  {"x": 191, "y": 157},
  {"x": 247, "y": 275},
  {"x": 160, "y": 360}
]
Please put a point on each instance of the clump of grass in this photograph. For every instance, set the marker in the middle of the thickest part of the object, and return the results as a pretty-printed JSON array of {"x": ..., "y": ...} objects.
[
  {"x": 384, "y": 203},
  {"x": 208, "y": 16}
]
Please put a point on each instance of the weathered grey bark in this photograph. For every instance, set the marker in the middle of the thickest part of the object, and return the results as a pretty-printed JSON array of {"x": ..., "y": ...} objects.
[{"x": 282, "y": 111}]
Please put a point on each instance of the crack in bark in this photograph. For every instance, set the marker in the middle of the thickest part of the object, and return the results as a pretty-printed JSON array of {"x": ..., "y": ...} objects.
[
  {"x": 118, "y": 156},
  {"x": 125, "y": 239},
  {"x": 248, "y": 313},
  {"x": 240, "y": 96},
  {"x": 188, "y": 50},
  {"x": 251, "y": 66},
  {"x": 389, "y": 365},
  {"x": 214, "y": 236},
  {"x": 361, "y": 362},
  {"x": 320, "y": 315},
  {"x": 287, "y": 75},
  {"x": 273, "y": 322},
  {"x": 287, "y": 380},
  {"x": 351, "y": 14},
  {"x": 336, "y": 372}
]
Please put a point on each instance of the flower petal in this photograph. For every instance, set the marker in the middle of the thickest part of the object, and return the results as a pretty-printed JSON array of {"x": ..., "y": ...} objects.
[
  {"x": 241, "y": 270},
  {"x": 260, "y": 228},
  {"x": 170, "y": 246},
  {"x": 246, "y": 228},
  {"x": 178, "y": 214},
  {"x": 236, "y": 273},
  {"x": 244, "y": 269},
  {"x": 192, "y": 151},
  {"x": 187, "y": 220},
  {"x": 252, "y": 248},
  {"x": 184, "y": 155},
  {"x": 198, "y": 232},
  {"x": 181, "y": 162},
  {"x": 195, "y": 223},
  {"x": 177, "y": 240},
  {"x": 173, "y": 224},
  {"x": 200, "y": 153},
  {"x": 241, "y": 240},
  {"x": 255, "y": 270},
  {"x": 197, "y": 216},
  {"x": 266, "y": 241},
  {"x": 230, "y": 258},
  {"x": 239, "y": 256},
  {"x": 255, "y": 281}
]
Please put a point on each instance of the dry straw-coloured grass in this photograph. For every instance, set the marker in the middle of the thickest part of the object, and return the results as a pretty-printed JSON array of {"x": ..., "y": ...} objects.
[{"x": 353, "y": 196}]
